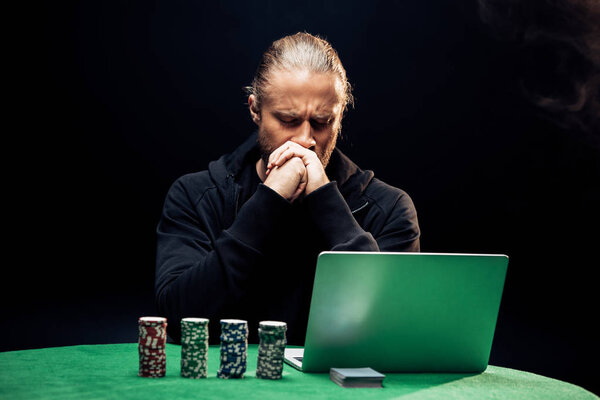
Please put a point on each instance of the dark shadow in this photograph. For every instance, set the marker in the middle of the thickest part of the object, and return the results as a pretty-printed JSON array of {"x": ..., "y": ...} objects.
[
  {"x": 405, "y": 383},
  {"x": 409, "y": 383}
]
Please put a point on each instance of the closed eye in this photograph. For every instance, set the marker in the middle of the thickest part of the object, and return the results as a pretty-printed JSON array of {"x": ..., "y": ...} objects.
[
  {"x": 319, "y": 124},
  {"x": 289, "y": 122}
]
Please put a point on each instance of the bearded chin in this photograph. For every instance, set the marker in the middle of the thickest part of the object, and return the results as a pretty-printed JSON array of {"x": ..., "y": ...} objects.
[
  {"x": 265, "y": 146},
  {"x": 326, "y": 154}
]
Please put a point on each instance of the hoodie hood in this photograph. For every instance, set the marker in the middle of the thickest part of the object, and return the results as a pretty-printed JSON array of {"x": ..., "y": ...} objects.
[{"x": 351, "y": 180}]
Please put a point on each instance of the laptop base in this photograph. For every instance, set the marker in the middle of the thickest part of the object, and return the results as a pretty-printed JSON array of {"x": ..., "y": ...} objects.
[{"x": 293, "y": 357}]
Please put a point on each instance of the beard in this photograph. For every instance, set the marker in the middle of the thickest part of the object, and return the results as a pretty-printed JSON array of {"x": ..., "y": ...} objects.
[{"x": 267, "y": 146}]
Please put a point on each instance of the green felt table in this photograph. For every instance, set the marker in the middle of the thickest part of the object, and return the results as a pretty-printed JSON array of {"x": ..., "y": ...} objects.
[{"x": 110, "y": 372}]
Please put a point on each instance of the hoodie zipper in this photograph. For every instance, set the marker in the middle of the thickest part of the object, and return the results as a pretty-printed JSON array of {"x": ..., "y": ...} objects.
[
  {"x": 236, "y": 195},
  {"x": 237, "y": 200},
  {"x": 360, "y": 208}
]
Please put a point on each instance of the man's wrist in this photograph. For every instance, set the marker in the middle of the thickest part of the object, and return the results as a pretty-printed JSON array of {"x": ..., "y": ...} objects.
[
  {"x": 332, "y": 216},
  {"x": 316, "y": 184}
]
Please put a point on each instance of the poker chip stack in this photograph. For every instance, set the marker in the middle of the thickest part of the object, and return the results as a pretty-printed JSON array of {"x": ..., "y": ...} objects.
[
  {"x": 151, "y": 346},
  {"x": 272, "y": 341},
  {"x": 194, "y": 347},
  {"x": 234, "y": 348}
]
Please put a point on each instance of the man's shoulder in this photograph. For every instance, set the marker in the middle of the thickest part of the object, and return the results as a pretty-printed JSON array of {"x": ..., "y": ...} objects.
[
  {"x": 195, "y": 178},
  {"x": 377, "y": 187},
  {"x": 218, "y": 177},
  {"x": 391, "y": 208},
  {"x": 193, "y": 185},
  {"x": 386, "y": 196}
]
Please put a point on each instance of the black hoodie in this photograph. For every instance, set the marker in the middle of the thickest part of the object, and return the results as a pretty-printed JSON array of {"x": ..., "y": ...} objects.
[{"x": 224, "y": 251}]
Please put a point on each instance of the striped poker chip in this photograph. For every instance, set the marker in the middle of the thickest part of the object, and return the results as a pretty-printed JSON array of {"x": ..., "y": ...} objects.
[
  {"x": 194, "y": 347},
  {"x": 152, "y": 339},
  {"x": 271, "y": 347},
  {"x": 234, "y": 349}
]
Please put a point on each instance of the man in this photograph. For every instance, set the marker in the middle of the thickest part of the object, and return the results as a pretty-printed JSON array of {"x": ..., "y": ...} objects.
[{"x": 241, "y": 239}]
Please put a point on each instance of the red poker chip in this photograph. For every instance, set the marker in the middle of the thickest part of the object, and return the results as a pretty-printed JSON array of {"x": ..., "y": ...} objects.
[
  {"x": 152, "y": 333},
  {"x": 152, "y": 375},
  {"x": 151, "y": 352}
]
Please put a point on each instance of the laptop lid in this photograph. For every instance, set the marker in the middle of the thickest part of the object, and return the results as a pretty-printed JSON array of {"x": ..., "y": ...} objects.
[{"x": 403, "y": 312}]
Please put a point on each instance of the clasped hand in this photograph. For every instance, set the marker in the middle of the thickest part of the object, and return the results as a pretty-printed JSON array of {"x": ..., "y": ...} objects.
[{"x": 293, "y": 169}]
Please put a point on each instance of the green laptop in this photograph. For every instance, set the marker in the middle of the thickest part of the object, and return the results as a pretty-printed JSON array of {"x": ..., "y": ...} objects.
[{"x": 402, "y": 312}]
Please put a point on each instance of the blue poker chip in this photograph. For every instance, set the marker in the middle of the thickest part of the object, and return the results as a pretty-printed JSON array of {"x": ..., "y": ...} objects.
[{"x": 234, "y": 348}]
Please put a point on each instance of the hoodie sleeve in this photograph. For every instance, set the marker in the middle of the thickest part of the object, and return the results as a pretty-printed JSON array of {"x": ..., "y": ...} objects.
[
  {"x": 397, "y": 226},
  {"x": 195, "y": 256}
]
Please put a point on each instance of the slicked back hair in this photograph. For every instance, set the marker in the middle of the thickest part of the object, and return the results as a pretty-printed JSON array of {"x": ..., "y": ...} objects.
[{"x": 305, "y": 52}]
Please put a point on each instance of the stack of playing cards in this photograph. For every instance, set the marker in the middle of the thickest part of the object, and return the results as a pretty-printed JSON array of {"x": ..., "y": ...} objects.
[{"x": 356, "y": 377}]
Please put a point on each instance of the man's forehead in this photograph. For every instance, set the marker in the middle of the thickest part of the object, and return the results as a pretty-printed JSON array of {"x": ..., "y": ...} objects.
[{"x": 293, "y": 91}]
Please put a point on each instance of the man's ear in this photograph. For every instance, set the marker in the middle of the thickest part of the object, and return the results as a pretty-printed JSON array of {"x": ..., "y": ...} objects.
[{"x": 254, "y": 112}]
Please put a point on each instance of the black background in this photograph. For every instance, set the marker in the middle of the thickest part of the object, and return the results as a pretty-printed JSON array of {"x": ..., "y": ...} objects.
[{"x": 110, "y": 102}]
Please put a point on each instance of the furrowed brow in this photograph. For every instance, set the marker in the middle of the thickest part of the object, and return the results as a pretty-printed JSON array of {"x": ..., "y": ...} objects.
[
  {"x": 323, "y": 117},
  {"x": 289, "y": 114}
]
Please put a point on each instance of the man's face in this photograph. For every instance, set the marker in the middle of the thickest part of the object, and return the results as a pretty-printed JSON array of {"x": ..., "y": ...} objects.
[{"x": 302, "y": 107}]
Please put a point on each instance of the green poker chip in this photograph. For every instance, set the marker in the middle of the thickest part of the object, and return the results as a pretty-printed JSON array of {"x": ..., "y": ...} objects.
[
  {"x": 194, "y": 347},
  {"x": 271, "y": 348}
]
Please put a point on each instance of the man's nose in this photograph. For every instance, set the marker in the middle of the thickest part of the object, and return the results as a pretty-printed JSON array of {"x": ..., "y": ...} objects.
[{"x": 304, "y": 135}]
